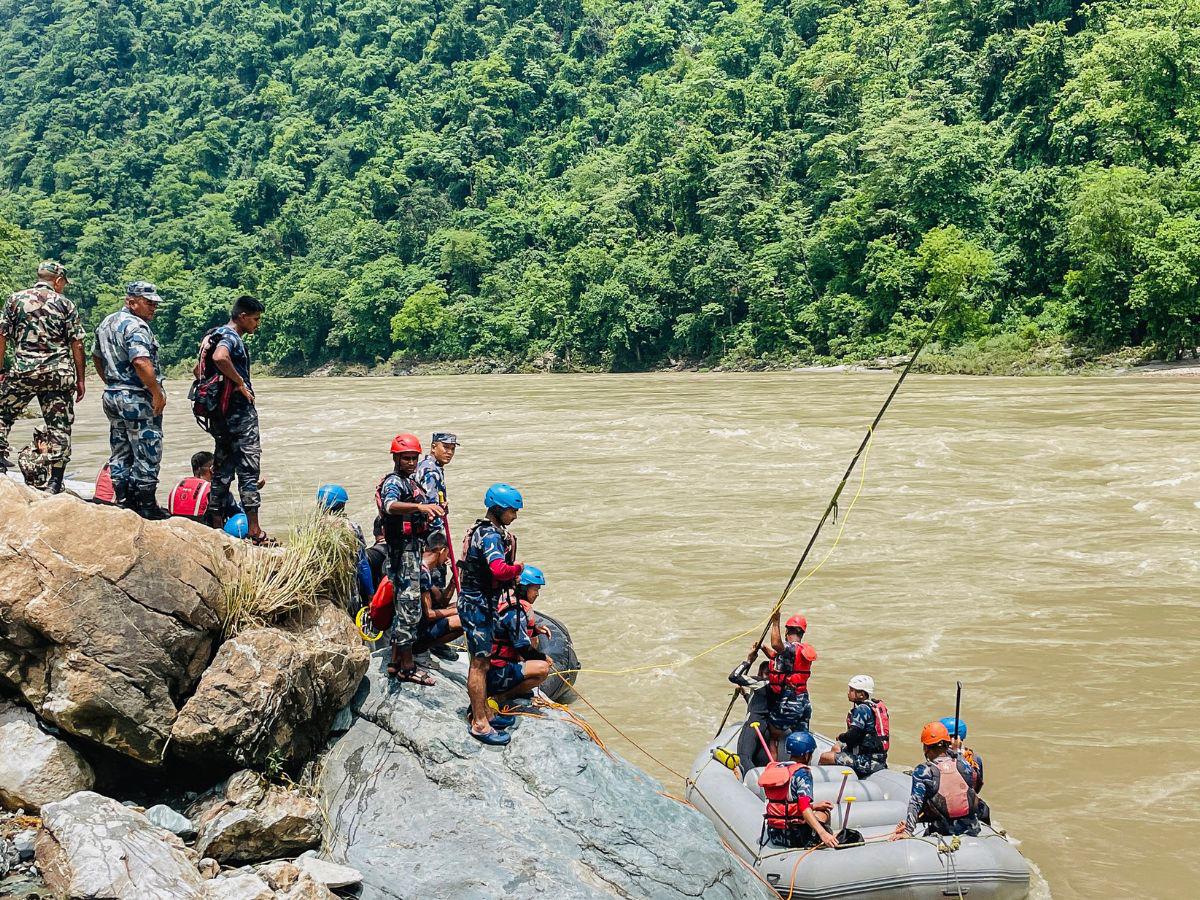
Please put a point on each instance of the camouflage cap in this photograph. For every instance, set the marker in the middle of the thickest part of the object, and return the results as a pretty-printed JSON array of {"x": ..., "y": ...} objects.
[
  {"x": 50, "y": 267},
  {"x": 143, "y": 289},
  {"x": 445, "y": 437}
]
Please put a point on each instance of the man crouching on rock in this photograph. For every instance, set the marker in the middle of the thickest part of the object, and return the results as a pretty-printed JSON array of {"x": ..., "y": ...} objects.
[{"x": 487, "y": 569}]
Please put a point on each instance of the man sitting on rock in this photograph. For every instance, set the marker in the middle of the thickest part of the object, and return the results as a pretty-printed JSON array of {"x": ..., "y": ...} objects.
[
  {"x": 517, "y": 666},
  {"x": 439, "y": 623}
]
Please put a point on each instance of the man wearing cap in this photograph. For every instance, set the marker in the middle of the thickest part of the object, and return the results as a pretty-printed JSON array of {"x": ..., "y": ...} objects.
[
  {"x": 126, "y": 357},
  {"x": 431, "y": 472},
  {"x": 46, "y": 336}
]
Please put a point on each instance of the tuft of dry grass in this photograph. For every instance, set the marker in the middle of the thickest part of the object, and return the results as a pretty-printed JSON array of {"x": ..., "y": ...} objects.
[{"x": 316, "y": 562}]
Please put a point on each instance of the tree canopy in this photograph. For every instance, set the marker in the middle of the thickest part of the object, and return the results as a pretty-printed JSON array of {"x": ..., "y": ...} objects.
[{"x": 612, "y": 183}]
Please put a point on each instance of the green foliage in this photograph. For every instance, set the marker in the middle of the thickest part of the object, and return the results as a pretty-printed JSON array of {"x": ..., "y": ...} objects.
[{"x": 612, "y": 183}]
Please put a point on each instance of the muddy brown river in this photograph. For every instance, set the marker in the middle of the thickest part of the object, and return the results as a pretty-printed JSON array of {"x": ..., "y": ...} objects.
[{"x": 1035, "y": 538}]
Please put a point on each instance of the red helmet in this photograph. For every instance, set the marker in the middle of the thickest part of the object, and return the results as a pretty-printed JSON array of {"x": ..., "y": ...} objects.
[
  {"x": 797, "y": 622},
  {"x": 406, "y": 443}
]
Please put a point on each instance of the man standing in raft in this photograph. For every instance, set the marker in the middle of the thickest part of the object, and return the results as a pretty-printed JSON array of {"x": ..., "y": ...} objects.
[
  {"x": 789, "y": 708},
  {"x": 487, "y": 569},
  {"x": 406, "y": 516}
]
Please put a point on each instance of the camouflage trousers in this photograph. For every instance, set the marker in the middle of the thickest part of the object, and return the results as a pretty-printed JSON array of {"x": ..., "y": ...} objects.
[
  {"x": 135, "y": 439},
  {"x": 237, "y": 452},
  {"x": 55, "y": 392},
  {"x": 406, "y": 579}
]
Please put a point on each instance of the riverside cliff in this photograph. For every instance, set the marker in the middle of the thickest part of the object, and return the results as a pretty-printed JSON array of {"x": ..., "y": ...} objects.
[{"x": 154, "y": 754}]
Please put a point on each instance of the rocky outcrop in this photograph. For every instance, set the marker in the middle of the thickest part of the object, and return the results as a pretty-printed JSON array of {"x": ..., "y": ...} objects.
[
  {"x": 271, "y": 695},
  {"x": 91, "y": 846},
  {"x": 36, "y": 768},
  {"x": 423, "y": 810},
  {"x": 250, "y": 820},
  {"x": 106, "y": 621}
]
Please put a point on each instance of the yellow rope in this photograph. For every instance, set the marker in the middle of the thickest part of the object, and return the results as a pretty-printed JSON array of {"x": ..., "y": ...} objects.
[{"x": 653, "y": 667}]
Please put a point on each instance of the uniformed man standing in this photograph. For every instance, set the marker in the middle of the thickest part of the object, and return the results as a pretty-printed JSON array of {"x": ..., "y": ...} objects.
[
  {"x": 126, "y": 357},
  {"x": 46, "y": 336},
  {"x": 431, "y": 472}
]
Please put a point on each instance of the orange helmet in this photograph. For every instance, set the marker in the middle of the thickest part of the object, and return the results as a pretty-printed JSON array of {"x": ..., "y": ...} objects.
[
  {"x": 797, "y": 622},
  {"x": 935, "y": 733},
  {"x": 406, "y": 443}
]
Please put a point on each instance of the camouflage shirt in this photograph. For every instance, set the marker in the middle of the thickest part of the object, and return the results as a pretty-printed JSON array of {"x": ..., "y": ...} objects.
[
  {"x": 40, "y": 325},
  {"x": 120, "y": 339}
]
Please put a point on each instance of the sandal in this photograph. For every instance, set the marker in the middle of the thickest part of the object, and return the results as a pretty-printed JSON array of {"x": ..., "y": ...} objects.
[
  {"x": 412, "y": 676},
  {"x": 262, "y": 539},
  {"x": 491, "y": 736}
]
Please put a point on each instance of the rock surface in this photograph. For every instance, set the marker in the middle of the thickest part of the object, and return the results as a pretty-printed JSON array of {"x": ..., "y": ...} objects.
[
  {"x": 271, "y": 695},
  {"x": 36, "y": 768},
  {"x": 328, "y": 873},
  {"x": 237, "y": 887},
  {"x": 176, "y": 823},
  {"x": 423, "y": 810},
  {"x": 107, "y": 620},
  {"x": 91, "y": 846},
  {"x": 251, "y": 820}
]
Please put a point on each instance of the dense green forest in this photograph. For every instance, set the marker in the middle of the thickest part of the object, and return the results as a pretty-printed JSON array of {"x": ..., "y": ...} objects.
[{"x": 612, "y": 183}]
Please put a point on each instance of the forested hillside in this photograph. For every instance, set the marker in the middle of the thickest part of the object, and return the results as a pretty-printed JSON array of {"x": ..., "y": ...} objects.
[{"x": 614, "y": 182}]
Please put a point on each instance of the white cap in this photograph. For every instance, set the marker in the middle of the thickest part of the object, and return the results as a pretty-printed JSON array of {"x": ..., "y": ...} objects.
[{"x": 863, "y": 683}]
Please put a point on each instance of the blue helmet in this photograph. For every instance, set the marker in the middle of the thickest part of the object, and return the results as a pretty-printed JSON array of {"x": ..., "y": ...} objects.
[
  {"x": 504, "y": 496},
  {"x": 801, "y": 743},
  {"x": 332, "y": 497},
  {"x": 237, "y": 526},
  {"x": 532, "y": 575},
  {"x": 962, "y": 728}
]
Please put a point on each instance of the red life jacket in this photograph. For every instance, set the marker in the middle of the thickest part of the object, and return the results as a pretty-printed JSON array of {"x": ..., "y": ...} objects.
[
  {"x": 190, "y": 498},
  {"x": 883, "y": 725},
  {"x": 781, "y": 813},
  {"x": 797, "y": 680},
  {"x": 383, "y": 605},
  {"x": 104, "y": 492},
  {"x": 503, "y": 651},
  {"x": 955, "y": 798}
]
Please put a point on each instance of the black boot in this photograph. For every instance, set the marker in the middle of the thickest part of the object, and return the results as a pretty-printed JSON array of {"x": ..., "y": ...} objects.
[
  {"x": 55, "y": 484},
  {"x": 5, "y": 462},
  {"x": 120, "y": 498},
  {"x": 146, "y": 505}
]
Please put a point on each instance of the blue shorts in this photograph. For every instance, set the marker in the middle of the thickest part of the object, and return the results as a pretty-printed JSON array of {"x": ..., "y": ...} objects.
[
  {"x": 504, "y": 679},
  {"x": 430, "y": 631},
  {"x": 478, "y": 623}
]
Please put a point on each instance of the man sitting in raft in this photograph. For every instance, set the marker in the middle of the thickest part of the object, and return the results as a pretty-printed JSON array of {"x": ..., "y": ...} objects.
[
  {"x": 439, "y": 622},
  {"x": 863, "y": 746},
  {"x": 787, "y": 678},
  {"x": 942, "y": 795},
  {"x": 791, "y": 818},
  {"x": 487, "y": 569},
  {"x": 972, "y": 759}
]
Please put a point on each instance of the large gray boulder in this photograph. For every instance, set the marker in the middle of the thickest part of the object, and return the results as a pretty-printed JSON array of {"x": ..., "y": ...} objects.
[
  {"x": 106, "y": 620},
  {"x": 93, "y": 847},
  {"x": 423, "y": 810},
  {"x": 271, "y": 694},
  {"x": 36, "y": 768},
  {"x": 250, "y": 819}
]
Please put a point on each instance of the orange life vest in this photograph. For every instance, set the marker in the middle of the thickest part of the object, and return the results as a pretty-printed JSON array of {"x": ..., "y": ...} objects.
[
  {"x": 781, "y": 813},
  {"x": 190, "y": 498},
  {"x": 955, "y": 798},
  {"x": 797, "y": 680}
]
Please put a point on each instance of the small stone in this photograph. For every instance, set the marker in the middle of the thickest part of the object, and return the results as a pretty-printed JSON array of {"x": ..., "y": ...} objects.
[
  {"x": 308, "y": 888},
  {"x": 279, "y": 874},
  {"x": 208, "y": 867},
  {"x": 24, "y": 843},
  {"x": 330, "y": 874},
  {"x": 9, "y": 857},
  {"x": 176, "y": 823},
  {"x": 36, "y": 768}
]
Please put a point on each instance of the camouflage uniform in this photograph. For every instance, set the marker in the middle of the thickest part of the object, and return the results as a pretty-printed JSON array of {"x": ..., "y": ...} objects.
[
  {"x": 237, "y": 443},
  {"x": 862, "y": 748},
  {"x": 40, "y": 325},
  {"x": 404, "y": 556},
  {"x": 432, "y": 476},
  {"x": 135, "y": 434},
  {"x": 34, "y": 464}
]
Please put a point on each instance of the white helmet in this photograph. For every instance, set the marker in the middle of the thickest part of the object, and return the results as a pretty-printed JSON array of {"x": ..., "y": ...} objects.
[{"x": 863, "y": 683}]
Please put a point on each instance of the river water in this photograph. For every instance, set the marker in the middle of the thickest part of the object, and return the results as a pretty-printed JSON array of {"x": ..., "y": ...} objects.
[{"x": 1035, "y": 538}]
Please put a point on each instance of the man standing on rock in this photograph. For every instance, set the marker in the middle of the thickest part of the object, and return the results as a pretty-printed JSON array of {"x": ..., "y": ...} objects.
[
  {"x": 237, "y": 443},
  {"x": 43, "y": 327},
  {"x": 431, "y": 473},
  {"x": 126, "y": 357}
]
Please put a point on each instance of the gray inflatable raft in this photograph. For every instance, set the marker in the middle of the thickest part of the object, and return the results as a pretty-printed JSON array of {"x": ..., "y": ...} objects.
[{"x": 988, "y": 866}]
